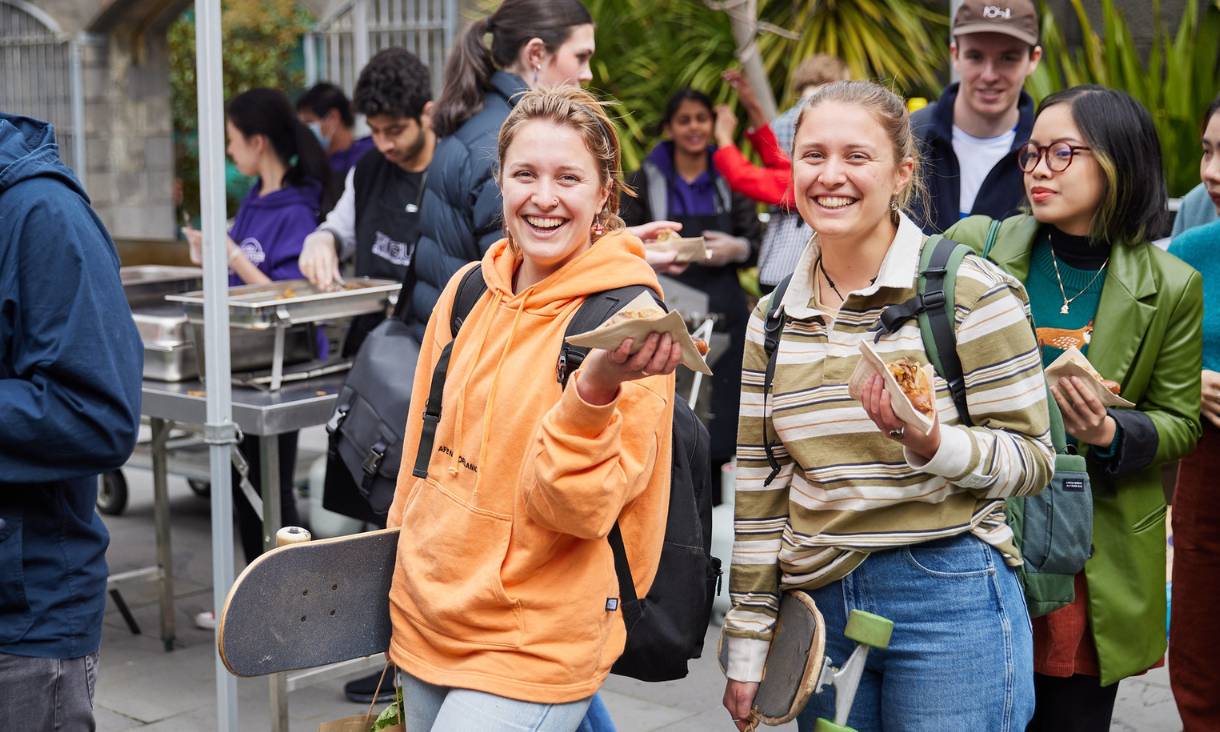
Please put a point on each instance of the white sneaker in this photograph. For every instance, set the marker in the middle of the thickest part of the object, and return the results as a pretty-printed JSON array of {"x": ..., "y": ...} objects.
[{"x": 206, "y": 620}]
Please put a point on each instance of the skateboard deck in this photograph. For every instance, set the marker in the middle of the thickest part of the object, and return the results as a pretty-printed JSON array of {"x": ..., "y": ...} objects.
[
  {"x": 794, "y": 662},
  {"x": 310, "y": 604}
]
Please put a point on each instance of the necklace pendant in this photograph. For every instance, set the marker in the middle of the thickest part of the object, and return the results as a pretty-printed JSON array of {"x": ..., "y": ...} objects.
[{"x": 1064, "y": 310}]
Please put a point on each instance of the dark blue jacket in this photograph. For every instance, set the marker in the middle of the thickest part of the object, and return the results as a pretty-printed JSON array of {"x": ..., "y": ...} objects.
[
  {"x": 461, "y": 209},
  {"x": 70, "y": 367},
  {"x": 1002, "y": 192}
]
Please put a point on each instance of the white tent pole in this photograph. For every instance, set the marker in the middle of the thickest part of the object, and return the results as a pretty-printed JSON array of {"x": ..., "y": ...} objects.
[{"x": 219, "y": 430}]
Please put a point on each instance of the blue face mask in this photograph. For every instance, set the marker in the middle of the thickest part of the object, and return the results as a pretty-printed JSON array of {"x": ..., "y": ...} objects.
[{"x": 316, "y": 129}]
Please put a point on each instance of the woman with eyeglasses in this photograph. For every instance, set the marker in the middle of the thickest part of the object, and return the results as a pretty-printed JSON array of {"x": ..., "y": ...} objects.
[{"x": 1096, "y": 193}]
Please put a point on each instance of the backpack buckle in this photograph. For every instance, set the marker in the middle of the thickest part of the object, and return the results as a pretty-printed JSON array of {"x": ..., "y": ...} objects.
[
  {"x": 336, "y": 419},
  {"x": 372, "y": 461},
  {"x": 930, "y": 300},
  {"x": 561, "y": 366}
]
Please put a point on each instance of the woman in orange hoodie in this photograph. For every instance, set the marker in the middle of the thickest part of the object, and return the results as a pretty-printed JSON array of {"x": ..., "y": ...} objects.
[{"x": 503, "y": 596}]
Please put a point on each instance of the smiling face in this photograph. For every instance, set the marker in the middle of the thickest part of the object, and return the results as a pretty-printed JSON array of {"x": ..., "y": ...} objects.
[
  {"x": 691, "y": 127},
  {"x": 844, "y": 171},
  {"x": 570, "y": 62},
  {"x": 552, "y": 191},
  {"x": 993, "y": 68},
  {"x": 1067, "y": 199},
  {"x": 1209, "y": 166},
  {"x": 244, "y": 151}
]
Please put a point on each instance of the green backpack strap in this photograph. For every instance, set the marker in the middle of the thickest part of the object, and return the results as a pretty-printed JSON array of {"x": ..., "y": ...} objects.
[
  {"x": 939, "y": 262},
  {"x": 993, "y": 233}
]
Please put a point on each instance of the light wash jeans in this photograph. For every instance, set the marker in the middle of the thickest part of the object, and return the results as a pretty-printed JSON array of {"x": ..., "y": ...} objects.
[
  {"x": 446, "y": 709},
  {"x": 961, "y": 657}
]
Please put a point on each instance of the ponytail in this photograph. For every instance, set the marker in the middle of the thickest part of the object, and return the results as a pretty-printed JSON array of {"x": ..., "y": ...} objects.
[
  {"x": 267, "y": 112},
  {"x": 467, "y": 76},
  {"x": 311, "y": 165},
  {"x": 471, "y": 63}
]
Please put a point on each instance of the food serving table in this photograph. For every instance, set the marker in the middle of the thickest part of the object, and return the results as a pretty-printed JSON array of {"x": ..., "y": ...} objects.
[{"x": 255, "y": 412}]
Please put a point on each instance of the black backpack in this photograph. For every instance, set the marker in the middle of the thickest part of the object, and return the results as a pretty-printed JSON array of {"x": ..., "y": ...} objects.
[
  {"x": 366, "y": 429},
  {"x": 666, "y": 628},
  {"x": 1054, "y": 528}
]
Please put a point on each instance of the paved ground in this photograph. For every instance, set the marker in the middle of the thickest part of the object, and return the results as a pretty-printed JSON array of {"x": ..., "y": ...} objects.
[{"x": 142, "y": 687}]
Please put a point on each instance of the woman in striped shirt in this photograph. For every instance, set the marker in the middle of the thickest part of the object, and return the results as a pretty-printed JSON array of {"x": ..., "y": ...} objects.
[{"x": 854, "y": 483}]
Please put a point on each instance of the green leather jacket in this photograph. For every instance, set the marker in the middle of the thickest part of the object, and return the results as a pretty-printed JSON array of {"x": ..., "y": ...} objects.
[{"x": 1148, "y": 337}]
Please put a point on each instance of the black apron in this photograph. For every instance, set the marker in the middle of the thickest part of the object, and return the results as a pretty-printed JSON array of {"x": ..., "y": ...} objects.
[
  {"x": 387, "y": 229},
  {"x": 728, "y": 300}
]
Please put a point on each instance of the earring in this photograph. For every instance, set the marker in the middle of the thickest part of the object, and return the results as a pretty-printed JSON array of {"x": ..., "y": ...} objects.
[
  {"x": 894, "y": 204},
  {"x": 598, "y": 229},
  {"x": 536, "y": 69}
]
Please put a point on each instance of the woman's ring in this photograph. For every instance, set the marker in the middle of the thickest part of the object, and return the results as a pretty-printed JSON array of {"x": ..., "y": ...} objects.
[{"x": 898, "y": 433}]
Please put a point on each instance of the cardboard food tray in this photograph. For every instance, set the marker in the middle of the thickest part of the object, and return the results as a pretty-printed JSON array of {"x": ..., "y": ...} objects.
[
  {"x": 610, "y": 334},
  {"x": 689, "y": 249},
  {"x": 1074, "y": 363},
  {"x": 871, "y": 363}
]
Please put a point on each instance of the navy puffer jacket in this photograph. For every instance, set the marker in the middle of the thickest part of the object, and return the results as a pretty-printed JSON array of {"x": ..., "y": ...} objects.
[{"x": 460, "y": 216}]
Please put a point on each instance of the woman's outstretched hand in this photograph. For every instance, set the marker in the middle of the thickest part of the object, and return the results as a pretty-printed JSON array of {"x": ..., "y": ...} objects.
[{"x": 603, "y": 371}]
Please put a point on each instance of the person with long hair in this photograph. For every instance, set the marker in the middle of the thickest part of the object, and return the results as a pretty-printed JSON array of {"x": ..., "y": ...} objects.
[
  {"x": 499, "y": 599},
  {"x": 1093, "y": 178},
  {"x": 523, "y": 45},
  {"x": 294, "y": 189},
  {"x": 679, "y": 182},
  {"x": 1193, "y": 647},
  {"x": 859, "y": 510}
]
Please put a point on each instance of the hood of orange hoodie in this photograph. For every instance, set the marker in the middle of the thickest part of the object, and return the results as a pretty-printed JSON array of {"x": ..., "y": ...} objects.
[{"x": 615, "y": 260}]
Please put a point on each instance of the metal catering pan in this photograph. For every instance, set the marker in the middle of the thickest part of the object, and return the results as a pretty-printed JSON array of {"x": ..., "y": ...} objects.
[
  {"x": 258, "y": 307},
  {"x": 148, "y": 284},
  {"x": 164, "y": 324}
]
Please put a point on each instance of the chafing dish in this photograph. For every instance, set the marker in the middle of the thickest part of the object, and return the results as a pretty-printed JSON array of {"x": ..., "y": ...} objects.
[
  {"x": 258, "y": 307},
  {"x": 148, "y": 284}
]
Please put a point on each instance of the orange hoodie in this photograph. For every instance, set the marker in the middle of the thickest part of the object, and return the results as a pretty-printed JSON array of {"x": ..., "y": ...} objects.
[{"x": 504, "y": 577}]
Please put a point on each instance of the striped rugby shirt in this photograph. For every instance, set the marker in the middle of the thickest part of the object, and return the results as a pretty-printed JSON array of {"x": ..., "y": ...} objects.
[{"x": 844, "y": 489}]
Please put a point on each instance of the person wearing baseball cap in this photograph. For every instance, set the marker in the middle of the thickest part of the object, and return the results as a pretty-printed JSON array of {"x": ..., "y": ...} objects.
[{"x": 972, "y": 133}]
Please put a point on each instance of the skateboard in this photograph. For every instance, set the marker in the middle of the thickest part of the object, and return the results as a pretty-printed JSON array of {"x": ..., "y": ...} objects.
[
  {"x": 797, "y": 666},
  {"x": 309, "y": 604}
]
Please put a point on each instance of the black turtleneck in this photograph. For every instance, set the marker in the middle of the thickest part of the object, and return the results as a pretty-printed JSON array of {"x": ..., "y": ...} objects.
[{"x": 1080, "y": 252}]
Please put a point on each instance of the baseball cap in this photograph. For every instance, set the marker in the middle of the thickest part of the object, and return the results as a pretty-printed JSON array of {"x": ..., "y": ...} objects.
[{"x": 1016, "y": 18}]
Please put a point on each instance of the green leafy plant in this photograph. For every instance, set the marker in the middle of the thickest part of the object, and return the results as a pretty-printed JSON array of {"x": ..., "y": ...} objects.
[
  {"x": 647, "y": 49},
  {"x": 261, "y": 43},
  {"x": 1175, "y": 81}
]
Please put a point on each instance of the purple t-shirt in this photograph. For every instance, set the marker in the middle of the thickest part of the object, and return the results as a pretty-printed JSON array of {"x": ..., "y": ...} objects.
[
  {"x": 345, "y": 160},
  {"x": 696, "y": 198}
]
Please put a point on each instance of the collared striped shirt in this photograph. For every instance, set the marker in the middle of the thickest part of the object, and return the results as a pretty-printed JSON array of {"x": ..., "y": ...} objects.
[{"x": 844, "y": 489}]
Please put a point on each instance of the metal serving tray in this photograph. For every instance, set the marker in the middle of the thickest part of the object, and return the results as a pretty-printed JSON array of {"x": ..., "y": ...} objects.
[
  {"x": 169, "y": 361},
  {"x": 252, "y": 350},
  {"x": 164, "y": 324},
  {"x": 149, "y": 284},
  {"x": 287, "y": 302}
]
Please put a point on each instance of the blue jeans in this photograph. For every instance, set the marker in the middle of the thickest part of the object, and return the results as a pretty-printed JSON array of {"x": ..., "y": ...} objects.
[
  {"x": 432, "y": 707},
  {"x": 598, "y": 718},
  {"x": 961, "y": 657}
]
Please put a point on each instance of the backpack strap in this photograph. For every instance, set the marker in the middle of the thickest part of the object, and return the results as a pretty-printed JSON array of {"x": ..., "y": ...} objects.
[
  {"x": 595, "y": 310},
  {"x": 773, "y": 329},
  {"x": 933, "y": 307},
  {"x": 470, "y": 289},
  {"x": 993, "y": 233}
]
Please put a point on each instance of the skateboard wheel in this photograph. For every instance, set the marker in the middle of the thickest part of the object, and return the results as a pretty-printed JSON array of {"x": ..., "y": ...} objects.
[
  {"x": 868, "y": 629},
  {"x": 828, "y": 726},
  {"x": 291, "y": 535}
]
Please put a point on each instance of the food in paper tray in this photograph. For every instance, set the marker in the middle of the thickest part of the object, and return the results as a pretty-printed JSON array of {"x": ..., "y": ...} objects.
[
  {"x": 700, "y": 346},
  {"x": 914, "y": 382},
  {"x": 636, "y": 320},
  {"x": 688, "y": 249},
  {"x": 915, "y": 402},
  {"x": 1073, "y": 363}
]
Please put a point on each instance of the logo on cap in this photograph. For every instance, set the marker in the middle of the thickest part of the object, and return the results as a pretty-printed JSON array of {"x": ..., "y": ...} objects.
[{"x": 995, "y": 11}]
